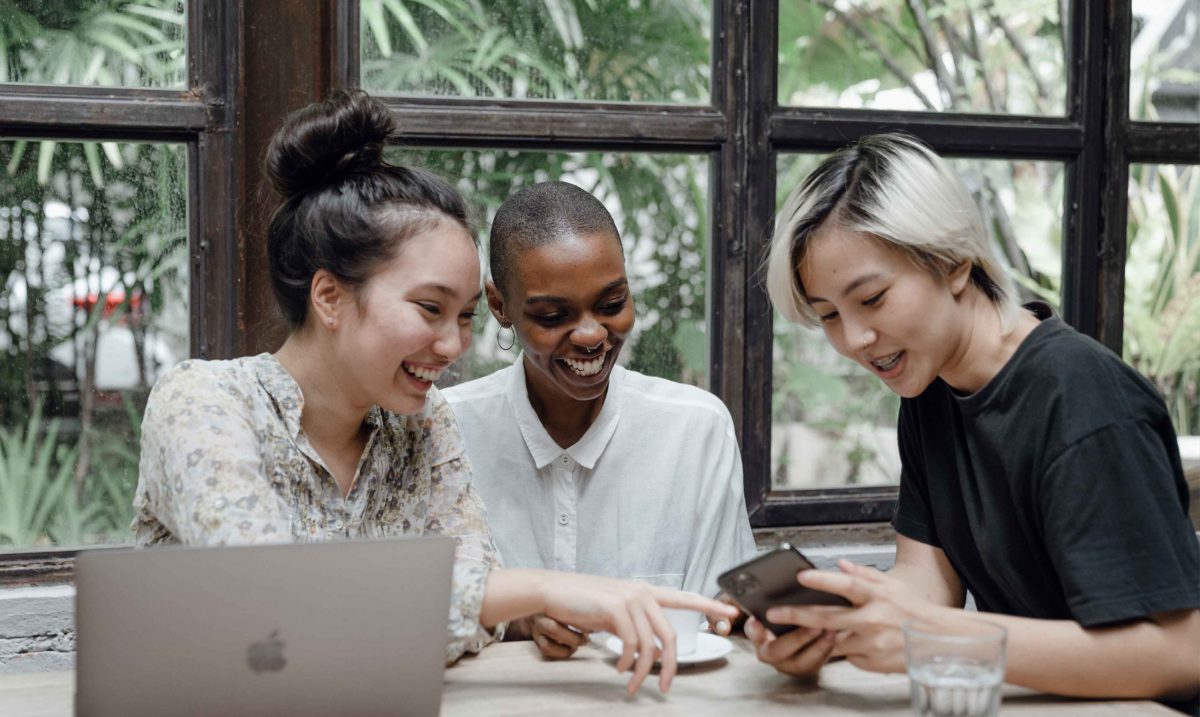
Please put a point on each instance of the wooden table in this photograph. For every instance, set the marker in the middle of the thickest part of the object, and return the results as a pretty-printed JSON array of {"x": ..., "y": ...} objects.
[{"x": 512, "y": 679}]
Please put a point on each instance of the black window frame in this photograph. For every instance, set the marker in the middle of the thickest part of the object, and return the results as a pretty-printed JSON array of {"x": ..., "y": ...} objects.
[{"x": 234, "y": 99}]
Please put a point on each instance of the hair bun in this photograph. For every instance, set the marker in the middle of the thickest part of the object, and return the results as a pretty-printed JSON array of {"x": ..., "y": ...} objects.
[{"x": 321, "y": 144}]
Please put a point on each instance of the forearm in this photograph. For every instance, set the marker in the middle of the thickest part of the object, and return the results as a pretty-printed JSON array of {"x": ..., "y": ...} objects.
[
  {"x": 925, "y": 581},
  {"x": 1148, "y": 658},
  {"x": 512, "y": 593}
]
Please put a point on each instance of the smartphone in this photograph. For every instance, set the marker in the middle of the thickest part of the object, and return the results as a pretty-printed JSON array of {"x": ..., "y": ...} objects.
[{"x": 770, "y": 580}]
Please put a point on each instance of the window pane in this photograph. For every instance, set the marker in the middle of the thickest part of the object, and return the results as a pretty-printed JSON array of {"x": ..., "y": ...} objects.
[
  {"x": 949, "y": 55},
  {"x": 93, "y": 307},
  {"x": 93, "y": 42},
  {"x": 1164, "y": 65},
  {"x": 833, "y": 423},
  {"x": 1162, "y": 286},
  {"x": 659, "y": 203},
  {"x": 612, "y": 50}
]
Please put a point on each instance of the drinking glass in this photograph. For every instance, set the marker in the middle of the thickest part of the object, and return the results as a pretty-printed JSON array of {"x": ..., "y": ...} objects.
[{"x": 955, "y": 670}]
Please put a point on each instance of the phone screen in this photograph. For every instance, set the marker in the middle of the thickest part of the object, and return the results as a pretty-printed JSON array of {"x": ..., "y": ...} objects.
[{"x": 770, "y": 580}]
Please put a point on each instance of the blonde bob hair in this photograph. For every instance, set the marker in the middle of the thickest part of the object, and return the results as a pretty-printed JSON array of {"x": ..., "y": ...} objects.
[{"x": 895, "y": 190}]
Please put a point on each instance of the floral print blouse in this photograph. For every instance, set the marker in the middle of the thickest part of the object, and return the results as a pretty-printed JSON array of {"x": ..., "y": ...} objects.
[{"x": 224, "y": 461}]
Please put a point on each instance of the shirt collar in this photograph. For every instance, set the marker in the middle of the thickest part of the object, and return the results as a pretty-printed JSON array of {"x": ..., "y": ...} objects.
[
  {"x": 588, "y": 449},
  {"x": 286, "y": 393}
]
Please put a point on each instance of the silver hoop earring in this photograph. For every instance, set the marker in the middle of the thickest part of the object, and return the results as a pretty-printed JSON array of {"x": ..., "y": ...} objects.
[{"x": 510, "y": 343}]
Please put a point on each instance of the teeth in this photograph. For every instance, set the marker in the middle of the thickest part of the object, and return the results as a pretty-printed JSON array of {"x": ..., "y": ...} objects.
[
  {"x": 586, "y": 368},
  {"x": 887, "y": 363},
  {"x": 425, "y": 374}
]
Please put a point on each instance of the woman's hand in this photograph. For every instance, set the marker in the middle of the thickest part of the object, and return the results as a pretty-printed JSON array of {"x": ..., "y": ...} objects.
[
  {"x": 631, "y": 611},
  {"x": 722, "y": 625},
  {"x": 867, "y": 633},
  {"x": 801, "y": 652},
  {"x": 555, "y": 640}
]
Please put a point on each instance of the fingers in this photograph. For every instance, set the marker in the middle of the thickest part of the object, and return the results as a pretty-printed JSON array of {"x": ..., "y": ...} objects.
[
  {"x": 758, "y": 633},
  {"x": 691, "y": 601},
  {"x": 720, "y": 626},
  {"x": 554, "y": 640},
  {"x": 559, "y": 632},
  {"x": 828, "y": 617},
  {"x": 623, "y": 628},
  {"x": 809, "y": 659},
  {"x": 645, "y": 646},
  {"x": 787, "y": 645},
  {"x": 857, "y": 589},
  {"x": 666, "y": 637},
  {"x": 866, "y": 572},
  {"x": 550, "y": 649}
]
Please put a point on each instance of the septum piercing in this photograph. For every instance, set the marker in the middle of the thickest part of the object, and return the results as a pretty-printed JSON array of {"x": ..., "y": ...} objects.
[{"x": 590, "y": 349}]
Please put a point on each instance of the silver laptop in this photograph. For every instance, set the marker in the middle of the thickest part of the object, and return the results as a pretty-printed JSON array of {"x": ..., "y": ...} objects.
[{"x": 347, "y": 628}]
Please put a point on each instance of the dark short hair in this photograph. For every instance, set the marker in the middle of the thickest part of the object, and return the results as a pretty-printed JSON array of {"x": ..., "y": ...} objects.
[
  {"x": 345, "y": 209},
  {"x": 539, "y": 215}
]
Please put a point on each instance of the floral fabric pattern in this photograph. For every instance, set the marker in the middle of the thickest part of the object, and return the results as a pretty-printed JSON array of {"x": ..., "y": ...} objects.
[{"x": 225, "y": 462}]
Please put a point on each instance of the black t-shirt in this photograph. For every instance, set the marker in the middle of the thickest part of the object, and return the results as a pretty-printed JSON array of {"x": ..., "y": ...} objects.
[{"x": 1056, "y": 491}]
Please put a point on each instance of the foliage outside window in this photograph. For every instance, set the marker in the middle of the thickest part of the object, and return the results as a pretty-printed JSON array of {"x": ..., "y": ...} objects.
[
  {"x": 93, "y": 275},
  {"x": 990, "y": 56},
  {"x": 611, "y": 50},
  {"x": 137, "y": 43},
  {"x": 1162, "y": 286}
]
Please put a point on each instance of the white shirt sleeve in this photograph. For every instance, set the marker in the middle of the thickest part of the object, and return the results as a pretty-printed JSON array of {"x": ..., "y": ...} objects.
[{"x": 723, "y": 536}]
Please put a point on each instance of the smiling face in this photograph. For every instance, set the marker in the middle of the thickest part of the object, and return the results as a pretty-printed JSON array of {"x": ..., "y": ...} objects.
[
  {"x": 410, "y": 320},
  {"x": 899, "y": 321},
  {"x": 570, "y": 306}
]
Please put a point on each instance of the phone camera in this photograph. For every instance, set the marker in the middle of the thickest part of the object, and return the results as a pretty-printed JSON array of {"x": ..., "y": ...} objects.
[{"x": 743, "y": 583}]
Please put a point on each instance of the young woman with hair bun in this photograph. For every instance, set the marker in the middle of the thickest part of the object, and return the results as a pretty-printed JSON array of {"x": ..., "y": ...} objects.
[{"x": 340, "y": 432}]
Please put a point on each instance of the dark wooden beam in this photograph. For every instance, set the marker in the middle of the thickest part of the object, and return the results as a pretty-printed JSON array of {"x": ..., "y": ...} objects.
[
  {"x": 516, "y": 124},
  {"x": 1113, "y": 186},
  {"x": 1163, "y": 143},
  {"x": 961, "y": 135},
  {"x": 214, "y": 182},
  {"x": 100, "y": 113},
  {"x": 846, "y": 505},
  {"x": 288, "y": 61}
]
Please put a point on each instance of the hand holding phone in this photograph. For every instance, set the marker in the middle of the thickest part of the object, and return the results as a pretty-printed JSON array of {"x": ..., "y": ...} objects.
[{"x": 770, "y": 580}]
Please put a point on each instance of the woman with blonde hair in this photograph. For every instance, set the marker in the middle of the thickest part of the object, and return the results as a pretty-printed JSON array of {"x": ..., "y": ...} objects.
[{"x": 1040, "y": 474}]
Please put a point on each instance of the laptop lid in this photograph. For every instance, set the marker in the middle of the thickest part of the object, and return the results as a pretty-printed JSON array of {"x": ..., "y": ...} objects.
[{"x": 347, "y": 628}]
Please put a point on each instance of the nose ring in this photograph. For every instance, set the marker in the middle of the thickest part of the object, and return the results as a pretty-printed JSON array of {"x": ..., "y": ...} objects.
[{"x": 590, "y": 349}]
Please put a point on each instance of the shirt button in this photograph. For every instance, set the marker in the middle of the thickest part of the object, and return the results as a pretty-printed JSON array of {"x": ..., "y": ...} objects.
[
  {"x": 563, "y": 519},
  {"x": 565, "y": 460},
  {"x": 219, "y": 503}
]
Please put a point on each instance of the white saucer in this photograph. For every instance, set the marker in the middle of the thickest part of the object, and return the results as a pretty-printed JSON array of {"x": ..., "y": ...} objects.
[{"x": 709, "y": 647}]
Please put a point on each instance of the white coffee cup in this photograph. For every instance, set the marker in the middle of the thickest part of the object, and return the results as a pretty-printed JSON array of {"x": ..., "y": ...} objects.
[{"x": 686, "y": 624}]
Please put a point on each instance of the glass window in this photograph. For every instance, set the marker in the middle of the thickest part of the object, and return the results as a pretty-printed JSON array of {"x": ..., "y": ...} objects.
[
  {"x": 93, "y": 42},
  {"x": 1162, "y": 286},
  {"x": 940, "y": 55},
  {"x": 833, "y": 423},
  {"x": 93, "y": 308},
  {"x": 659, "y": 203},
  {"x": 1164, "y": 67},
  {"x": 610, "y": 50}
]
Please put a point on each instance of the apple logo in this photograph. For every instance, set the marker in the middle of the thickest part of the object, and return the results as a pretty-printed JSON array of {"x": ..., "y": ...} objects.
[{"x": 267, "y": 655}]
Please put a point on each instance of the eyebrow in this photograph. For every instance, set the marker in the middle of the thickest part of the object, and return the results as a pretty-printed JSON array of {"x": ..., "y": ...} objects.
[
  {"x": 448, "y": 292},
  {"x": 551, "y": 299},
  {"x": 849, "y": 287}
]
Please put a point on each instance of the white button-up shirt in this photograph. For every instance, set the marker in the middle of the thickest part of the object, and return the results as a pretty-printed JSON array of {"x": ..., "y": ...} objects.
[{"x": 652, "y": 491}]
